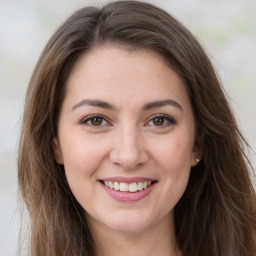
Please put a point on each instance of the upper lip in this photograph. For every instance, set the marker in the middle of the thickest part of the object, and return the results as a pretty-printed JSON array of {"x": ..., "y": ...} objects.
[{"x": 127, "y": 179}]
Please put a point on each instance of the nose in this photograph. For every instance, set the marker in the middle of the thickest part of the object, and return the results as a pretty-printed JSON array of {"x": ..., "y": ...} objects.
[{"x": 128, "y": 149}]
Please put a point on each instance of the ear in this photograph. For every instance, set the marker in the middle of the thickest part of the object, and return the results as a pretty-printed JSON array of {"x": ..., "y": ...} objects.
[
  {"x": 57, "y": 150},
  {"x": 197, "y": 153}
]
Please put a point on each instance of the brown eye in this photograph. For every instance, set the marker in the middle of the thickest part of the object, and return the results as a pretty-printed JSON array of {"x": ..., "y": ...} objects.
[
  {"x": 161, "y": 121},
  {"x": 96, "y": 121},
  {"x": 158, "y": 121}
]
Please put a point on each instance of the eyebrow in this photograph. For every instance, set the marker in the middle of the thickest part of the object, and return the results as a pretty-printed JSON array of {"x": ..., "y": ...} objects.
[
  {"x": 106, "y": 105},
  {"x": 94, "y": 103},
  {"x": 161, "y": 103}
]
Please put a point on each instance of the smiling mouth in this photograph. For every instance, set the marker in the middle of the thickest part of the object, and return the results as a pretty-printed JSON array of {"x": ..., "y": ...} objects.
[{"x": 128, "y": 187}]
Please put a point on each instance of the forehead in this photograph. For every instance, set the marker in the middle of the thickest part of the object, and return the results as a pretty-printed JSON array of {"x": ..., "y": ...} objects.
[{"x": 116, "y": 73}]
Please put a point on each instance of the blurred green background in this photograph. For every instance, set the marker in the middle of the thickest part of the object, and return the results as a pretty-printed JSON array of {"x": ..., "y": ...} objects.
[{"x": 226, "y": 28}]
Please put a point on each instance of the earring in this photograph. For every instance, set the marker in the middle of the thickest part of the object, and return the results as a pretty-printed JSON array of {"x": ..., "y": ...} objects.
[{"x": 197, "y": 160}]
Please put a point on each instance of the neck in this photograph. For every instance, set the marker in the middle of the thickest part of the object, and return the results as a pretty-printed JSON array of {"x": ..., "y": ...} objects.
[{"x": 156, "y": 241}]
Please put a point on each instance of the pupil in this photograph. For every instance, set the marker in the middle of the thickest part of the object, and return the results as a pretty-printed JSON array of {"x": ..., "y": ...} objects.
[
  {"x": 158, "y": 121},
  {"x": 97, "y": 121}
]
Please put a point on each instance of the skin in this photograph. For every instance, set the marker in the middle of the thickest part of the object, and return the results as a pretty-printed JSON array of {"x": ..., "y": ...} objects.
[{"x": 128, "y": 142}]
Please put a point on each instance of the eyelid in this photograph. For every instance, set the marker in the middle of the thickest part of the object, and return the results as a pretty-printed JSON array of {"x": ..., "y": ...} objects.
[
  {"x": 170, "y": 120},
  {"x": 85, "y": 120}
]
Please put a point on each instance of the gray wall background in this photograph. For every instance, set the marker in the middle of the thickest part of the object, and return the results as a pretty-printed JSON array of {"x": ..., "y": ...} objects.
[{"x": 226, "y": 28}]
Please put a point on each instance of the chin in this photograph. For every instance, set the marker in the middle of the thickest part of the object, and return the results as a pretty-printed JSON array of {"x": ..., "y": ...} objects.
[
  {"x": 129, "y": 223},
  {"x": 127, "y": 227}
]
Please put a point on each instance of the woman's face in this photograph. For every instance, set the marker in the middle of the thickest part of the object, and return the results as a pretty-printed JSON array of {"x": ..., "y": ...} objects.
[{"x": 126, "y": 136}]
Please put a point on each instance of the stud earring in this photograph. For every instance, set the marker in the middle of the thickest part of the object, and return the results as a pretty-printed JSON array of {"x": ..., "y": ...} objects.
[{"x": 197, "y": 160}]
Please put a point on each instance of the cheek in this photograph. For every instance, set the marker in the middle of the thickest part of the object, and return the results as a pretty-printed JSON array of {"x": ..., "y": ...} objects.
[
  {"x": 173, "y": 151},
  {"x": 175, "y": 164},
  {"x": 81, "y": 160},
  {"x": 173, "y": 157},
  {"x": 82, "y": 157}
]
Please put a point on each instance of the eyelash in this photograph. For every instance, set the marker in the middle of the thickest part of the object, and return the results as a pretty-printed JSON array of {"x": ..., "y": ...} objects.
[
  {"x": 167, "y": 120},
  {"x": 88, "y": 119}
]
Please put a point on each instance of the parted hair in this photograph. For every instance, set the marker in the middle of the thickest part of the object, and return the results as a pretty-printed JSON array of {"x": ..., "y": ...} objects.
[{"x": 216, "y": 215}]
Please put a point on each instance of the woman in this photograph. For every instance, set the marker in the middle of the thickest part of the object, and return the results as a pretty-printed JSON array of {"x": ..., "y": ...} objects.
[{"x": 128, "y": 144}]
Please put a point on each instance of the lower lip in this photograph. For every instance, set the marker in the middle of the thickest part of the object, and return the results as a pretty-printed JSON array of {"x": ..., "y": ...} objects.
[{"x": 128, "y": 196}]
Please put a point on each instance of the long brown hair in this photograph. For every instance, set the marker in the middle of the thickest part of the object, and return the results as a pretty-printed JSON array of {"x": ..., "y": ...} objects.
[{"x": 215, "y": 216}]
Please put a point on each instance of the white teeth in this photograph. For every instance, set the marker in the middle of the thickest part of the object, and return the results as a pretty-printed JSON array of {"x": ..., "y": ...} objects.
[
  {"x": 125, "y": 187},
  {"x": 116, "y": 185},
  {"x": 133, "y": 187},
  {"x": 140, "y": 185},
  {"x": 110, "y": 184}
]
